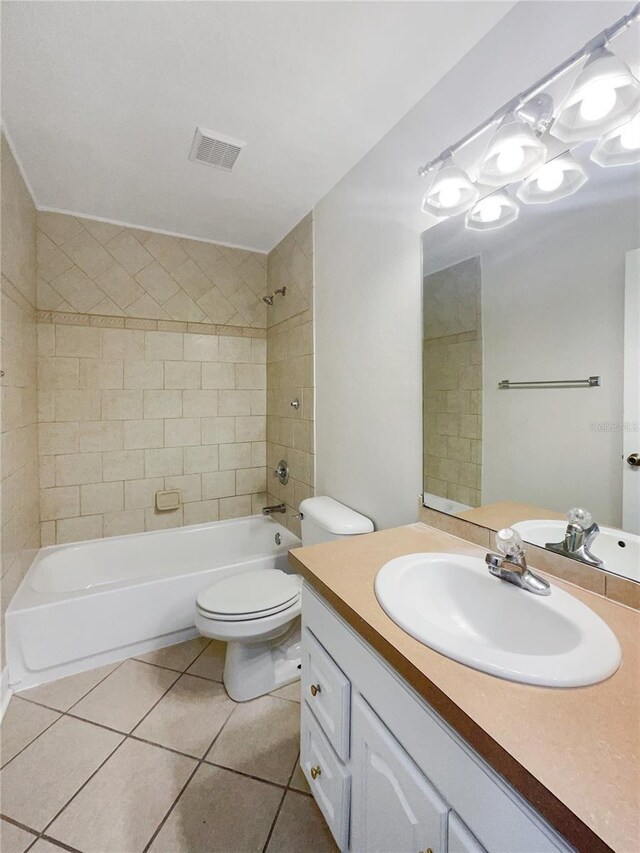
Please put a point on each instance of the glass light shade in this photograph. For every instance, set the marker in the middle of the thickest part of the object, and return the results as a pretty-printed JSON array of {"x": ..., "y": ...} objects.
[
  {"x": 451, "y": 191},
  {"x": 557, "y": 179},
  {"x": 620, "y": 147},
  {"x": 493, "y": 211},
  {"x": 605, "y": 95},
  {"x": 513, "y": 152}
]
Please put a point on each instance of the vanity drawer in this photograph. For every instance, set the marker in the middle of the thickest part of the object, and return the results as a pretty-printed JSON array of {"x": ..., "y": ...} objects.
[
  {"x": 327, "y": 691},
  {"x": 329, "y": 781}
]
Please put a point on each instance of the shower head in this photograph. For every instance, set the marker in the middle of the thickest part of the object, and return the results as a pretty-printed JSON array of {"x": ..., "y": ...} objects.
[{"x": 268, "y": 300}]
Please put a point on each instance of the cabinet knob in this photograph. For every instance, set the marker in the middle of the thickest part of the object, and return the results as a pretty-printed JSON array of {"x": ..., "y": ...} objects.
[
  {"x": 315, "y": 689},
  {"x": 633, "y": 459},
  {"x": 315, "y": 772},
  {"x": 428, "y": 850}
]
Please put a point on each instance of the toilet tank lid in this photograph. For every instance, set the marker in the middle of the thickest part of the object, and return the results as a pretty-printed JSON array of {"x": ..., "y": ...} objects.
[{"x": 335, "y": 517}]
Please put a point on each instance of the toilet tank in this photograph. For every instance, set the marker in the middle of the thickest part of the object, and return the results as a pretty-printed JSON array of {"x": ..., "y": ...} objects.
[{"x": 325, "y": 520}]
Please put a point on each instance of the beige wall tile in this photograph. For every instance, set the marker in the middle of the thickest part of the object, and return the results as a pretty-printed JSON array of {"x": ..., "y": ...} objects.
[
  {"x": 161, "y": 346},
  {"x": 232, "y": 403},
  {"x": 190, "y": 486},
  {"x": 101, "y": 497},
  {"x": 121, "y": 405},
  {"x": 58, "y": 372},
  {"x": 235, "y": 507},
  {"x": 200, "y": 404},
  {"x": 163, "y": 463},
  {"x": 235, "y": 456},
  {"x": 122, "y": 343},
  {"x": 143, "y": 374},
  {"x": 79, "y": 529},
  {"x": 218, "y": 430},
  {"x": 139, "y": 494},
  {"x": 100, "y": 435},
  {"x": 122, "y": 465},
  {"x": 76, "y": 406},
  {"x": 73, "y": 469},
  {"x": 201, "y": 512},
  {"x": 181, "y": 432},
  {"x": 234, "y": 349},
  {"x": 218, "y": 375},
  {"x": 155, "y": 520},
  {"x": 253, "y": 428},
  {"x": 252, "y": 376},
  {"x": 182, "y": 374},
  {"x": 201, "y": 459},
  {"x": 101, "y": 373},
  {"x": 220, "y": 484},
  {"x": 201, "y": 348},
  {"x": 162, "y": 404},
  {"x": 143, "y": 434},
  {"x": 59, "y": 503},
  {"x": 58, "y": 438},
  {"x": 78, "y": 342},
  {"x": 123, "y": 523},
  {"x": 251, "y": 480}
]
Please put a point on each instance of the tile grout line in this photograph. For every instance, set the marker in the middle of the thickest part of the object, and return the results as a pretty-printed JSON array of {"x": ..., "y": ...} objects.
[{"x": 280, "y": 805}]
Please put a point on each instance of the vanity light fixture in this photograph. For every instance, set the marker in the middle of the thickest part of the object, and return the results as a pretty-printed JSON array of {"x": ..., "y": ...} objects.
[
  {"x": 620, "y": 147},
  {"x": 605, "y": 95},
  {"x": 514, "y": 152},
  {"x": 493, "y": 211},
  {"x": 559, "y": 178},
  {"x": 451, "y": 191}
]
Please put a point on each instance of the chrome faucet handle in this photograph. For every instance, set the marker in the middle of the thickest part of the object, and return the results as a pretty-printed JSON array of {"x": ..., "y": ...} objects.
[
  {"x": 510, "y": 564},
  {"x": 578, "y": 537},
  {"x": 580, "y": 516}
]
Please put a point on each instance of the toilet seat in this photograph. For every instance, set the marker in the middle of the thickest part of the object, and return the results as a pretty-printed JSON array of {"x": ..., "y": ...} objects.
[{"x": 249, "y": 596}]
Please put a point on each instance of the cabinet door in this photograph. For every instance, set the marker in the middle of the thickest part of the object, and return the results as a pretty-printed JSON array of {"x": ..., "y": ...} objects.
[
  {"x": 460, "y": 839},
  {"x": 394, "y": 808}
]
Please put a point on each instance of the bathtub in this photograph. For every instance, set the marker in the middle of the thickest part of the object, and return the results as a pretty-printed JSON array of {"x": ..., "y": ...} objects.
[{"x": 91, "y": 603}]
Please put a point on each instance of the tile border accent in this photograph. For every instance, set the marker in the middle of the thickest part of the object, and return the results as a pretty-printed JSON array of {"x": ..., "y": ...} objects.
[
  {"x": 103, "y": 321},
  {"x": 614, "y": 587}
]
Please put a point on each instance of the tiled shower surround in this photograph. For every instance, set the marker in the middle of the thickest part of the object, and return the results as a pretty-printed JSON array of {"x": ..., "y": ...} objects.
[
  {"x": 151, "y": 376},
  {"x": 124, "y": 413},
  {"x": 290, "y": 377}
]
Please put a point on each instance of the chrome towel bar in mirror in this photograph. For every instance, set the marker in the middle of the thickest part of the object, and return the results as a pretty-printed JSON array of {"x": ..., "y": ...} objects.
[{"x": 591, "y": 382}]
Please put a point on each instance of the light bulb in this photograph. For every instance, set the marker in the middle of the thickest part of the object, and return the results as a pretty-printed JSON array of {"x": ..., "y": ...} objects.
[
  {"x": 490, "y": 209},
  {"x": 550, "y": 177},
  {"x": 598, "y": 101},
  {"x": 449, "y": 195},
  {"x": 630, "y": 135},
  {"x": 510, "y": 159}
]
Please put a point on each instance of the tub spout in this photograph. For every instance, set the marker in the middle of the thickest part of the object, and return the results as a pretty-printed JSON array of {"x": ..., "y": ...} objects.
[{"x": 269, "y": 510}]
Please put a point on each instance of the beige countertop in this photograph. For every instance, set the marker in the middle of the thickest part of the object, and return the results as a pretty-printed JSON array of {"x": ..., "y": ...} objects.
[{"x": 574, "y": 753}]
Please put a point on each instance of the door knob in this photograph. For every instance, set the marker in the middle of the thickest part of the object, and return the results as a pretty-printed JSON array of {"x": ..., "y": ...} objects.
[
  {"x": 315, "y": 689},
  {"x": 633, "y": 459},
  {"x": 315, "y": 772}
]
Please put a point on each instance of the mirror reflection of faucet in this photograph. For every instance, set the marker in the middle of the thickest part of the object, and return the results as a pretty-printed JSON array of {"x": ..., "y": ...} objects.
[
  {"x": 578, "y": 538},
  {"x": 511, "y": 564}
]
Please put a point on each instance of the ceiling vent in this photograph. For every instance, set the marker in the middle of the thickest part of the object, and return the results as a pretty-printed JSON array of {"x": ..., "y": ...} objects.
[{"x": 215, "y": 149}]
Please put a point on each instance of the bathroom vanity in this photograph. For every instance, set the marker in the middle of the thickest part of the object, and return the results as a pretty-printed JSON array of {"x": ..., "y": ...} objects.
[{"x": 407, "y": 750}]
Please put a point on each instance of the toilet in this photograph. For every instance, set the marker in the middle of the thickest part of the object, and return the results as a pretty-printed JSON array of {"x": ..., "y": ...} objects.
[{"x": 257, "y": 613}]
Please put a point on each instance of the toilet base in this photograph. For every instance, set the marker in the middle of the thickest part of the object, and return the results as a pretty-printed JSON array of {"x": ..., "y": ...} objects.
[{"x": 254, "y": 669}]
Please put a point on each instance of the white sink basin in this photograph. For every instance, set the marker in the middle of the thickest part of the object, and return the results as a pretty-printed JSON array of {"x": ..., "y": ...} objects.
[
  {"x": 619, "y": 550},
  {"x": 453, "y": 605}
]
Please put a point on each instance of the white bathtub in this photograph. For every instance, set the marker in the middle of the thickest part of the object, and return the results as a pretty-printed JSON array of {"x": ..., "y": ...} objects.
[{"x": 91, "y": 603}]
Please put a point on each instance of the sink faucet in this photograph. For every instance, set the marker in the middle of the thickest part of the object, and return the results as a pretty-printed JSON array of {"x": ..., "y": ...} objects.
[
  {"x": 511, "y": 565},
  {"x": 580, "y": 533},
  {"x": 269, "y": 510}
]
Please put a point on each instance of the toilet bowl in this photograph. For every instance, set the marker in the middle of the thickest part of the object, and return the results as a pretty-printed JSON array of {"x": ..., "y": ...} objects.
[{"x": 258, "y": 613}]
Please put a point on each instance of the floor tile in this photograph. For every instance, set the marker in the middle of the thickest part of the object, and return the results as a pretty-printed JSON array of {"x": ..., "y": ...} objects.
[
  {"x": 39, "y": 781},
  {"x": 22, "y": 723},
  {"x": 121, "y": 807},
  {"x": 44, "y": 846},
  {"x": 220, "y": 812},
  {"x": 189, "y": 716},
  {"x": 65, "y": 692},
  {"x": 299, "y": 780},
  {"x": 289, "y": 691},
  {"x": 300, "y": 826},
  {"x": 262, "y": 738},
  {"x": 178, "y": 656},
  {"x": 210, "y": 664},
  {"x": 123, "y": 698},
  {"x": 13, "y": 839}
]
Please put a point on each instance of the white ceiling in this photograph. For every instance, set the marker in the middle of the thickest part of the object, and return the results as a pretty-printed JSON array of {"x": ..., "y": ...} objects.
[{"x": 101, "y": 99}]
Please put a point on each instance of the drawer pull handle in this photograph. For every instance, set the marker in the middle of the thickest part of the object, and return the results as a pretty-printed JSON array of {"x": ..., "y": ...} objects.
[
  {"x": 315, "y": 772},
  {"x": 315, "y": 689}
]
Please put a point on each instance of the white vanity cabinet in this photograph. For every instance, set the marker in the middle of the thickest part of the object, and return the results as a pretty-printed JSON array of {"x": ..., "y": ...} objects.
[{"x": 388, "y": 773}]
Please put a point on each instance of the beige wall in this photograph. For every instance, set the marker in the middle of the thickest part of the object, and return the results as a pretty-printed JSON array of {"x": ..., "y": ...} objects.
[
  {"x": 452, "y": 374},
  {"x": 19, "y": 513},
  {"x": 290, "y": 370},
  {"x": 138, "y": 396}
]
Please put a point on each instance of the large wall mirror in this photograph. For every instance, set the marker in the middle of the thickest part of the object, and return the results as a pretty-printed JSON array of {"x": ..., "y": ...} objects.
[{"x": 531, "y": 369}]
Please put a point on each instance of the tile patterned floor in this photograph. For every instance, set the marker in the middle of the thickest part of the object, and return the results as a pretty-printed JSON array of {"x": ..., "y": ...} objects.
[{"x": 152, "y": 755}]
